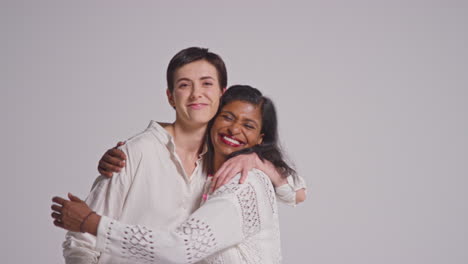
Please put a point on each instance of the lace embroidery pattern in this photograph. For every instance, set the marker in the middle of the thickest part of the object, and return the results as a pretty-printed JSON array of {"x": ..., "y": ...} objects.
[
  {"x": 198, "y": 238},
  {"x": 248, "y": 203},
  {"x": 270, "y": 192},
  {"x": 229, "y": 187},
  {"x": 276, "y": 233},
  {"x": 249, "y": 207},
  {"x": 138, "y": 242}
]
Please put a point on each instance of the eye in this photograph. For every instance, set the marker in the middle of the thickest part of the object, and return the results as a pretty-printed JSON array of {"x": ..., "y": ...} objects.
[
  {"x": 227, "y": 117},
  {"x": 207, "y": 84},
  {"x": 183, "y": 85},
  {"x": 249, "y": 126}
]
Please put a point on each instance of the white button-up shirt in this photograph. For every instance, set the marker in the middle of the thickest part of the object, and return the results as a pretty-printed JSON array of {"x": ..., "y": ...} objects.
[{"x": 152, "y": 190}]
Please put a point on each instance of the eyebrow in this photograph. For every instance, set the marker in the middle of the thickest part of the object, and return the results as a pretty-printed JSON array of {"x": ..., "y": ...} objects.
[
  {"x": 183, "y": 79},
  {"x": 206, "y": 77},
  {"x": 245, "y": 119},
  {"x": 202, "y": 78}
]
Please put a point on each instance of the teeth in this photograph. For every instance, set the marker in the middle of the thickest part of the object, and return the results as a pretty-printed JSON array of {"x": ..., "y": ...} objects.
[{"x": 232, "y": 140}]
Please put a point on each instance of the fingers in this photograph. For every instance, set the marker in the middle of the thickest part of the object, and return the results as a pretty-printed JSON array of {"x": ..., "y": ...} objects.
[
  {"x": 56, "y": 216},
  {"x": 117, "y": 153},
  {"x": 222, "y": 179},
  {"x": 56, "y": 208},
  {"x": 112, "y": 161},
  {"x": 229, "y": 175},
  {"x": 59, "y": 224},
  {"x": 219, "y": 174},
  {"x": 244, "y": 176},
  {"x": 121, "y": 143},
  {"x": 217, "y": 183},
  {"x": 115, "y": 157},
  {"x": 74, "y": 198},
  {"x": 59, "y": 200},
  {"x": 107, "y": 168},
  {"x": 104, "y": 172},
  {"x": 212, "y": 186}
]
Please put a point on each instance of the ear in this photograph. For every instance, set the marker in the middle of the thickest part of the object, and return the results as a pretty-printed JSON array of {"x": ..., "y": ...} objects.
[
  {"x": 170, "y": 98},
  {"x": 224, "y": 90},
  {"x": 260, "y": 139}
]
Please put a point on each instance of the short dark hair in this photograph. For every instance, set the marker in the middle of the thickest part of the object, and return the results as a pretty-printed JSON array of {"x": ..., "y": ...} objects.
[
  {"x": 270, "y": 148},
  {"x": 192, "y": 54}
]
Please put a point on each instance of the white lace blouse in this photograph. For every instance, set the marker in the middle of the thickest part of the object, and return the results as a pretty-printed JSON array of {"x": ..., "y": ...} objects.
[{"x": 237, "y": 224}]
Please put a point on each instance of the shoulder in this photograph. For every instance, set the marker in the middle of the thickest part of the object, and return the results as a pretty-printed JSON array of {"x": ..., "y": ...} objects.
[
  {"x": 256, "y": 175},
  {"x": 152, "y": 137},
  {"x": 257, "y": 181}
]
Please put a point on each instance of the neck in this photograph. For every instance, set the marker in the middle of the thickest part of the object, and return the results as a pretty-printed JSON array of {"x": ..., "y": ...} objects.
[{"x": 189, "y": 139}]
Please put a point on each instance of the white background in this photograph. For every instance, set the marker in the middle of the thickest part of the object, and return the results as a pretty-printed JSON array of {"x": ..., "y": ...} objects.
[{"x": 372, "y": 100}]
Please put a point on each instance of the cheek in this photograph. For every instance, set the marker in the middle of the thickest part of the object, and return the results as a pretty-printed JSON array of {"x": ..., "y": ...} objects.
[
  {"x": 213, "y": 135},
  {"x": 253, "y": 137},
  {"x": 215, "y": 105},
  {"x": 218, "y": 125},
  {"x": 214, "y": 93},
  {"x": 215, "y": 127},
  {"x": 179, "y": 95}
]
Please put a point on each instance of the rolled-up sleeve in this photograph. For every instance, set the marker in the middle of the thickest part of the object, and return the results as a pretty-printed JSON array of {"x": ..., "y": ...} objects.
[
  {"x": 286, "y": 193},
  {"x": 106, "y": 198}
]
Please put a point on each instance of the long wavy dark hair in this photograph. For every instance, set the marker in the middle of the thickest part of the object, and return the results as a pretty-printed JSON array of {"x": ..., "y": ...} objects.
[{"x": 269, "y": 149}]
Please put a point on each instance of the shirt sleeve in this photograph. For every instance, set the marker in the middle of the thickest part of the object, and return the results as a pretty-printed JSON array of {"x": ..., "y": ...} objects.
[
  {"x": 233, "y": 213},
  {"x": 106, "y": 198},
  {"x": 286, "y": 193}
]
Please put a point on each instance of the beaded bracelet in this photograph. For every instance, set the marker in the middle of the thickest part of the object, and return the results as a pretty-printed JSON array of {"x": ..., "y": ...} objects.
[{"x": 84, "y": 220}]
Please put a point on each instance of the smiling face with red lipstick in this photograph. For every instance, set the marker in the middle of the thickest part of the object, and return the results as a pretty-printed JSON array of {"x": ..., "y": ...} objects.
[
  {"x": 237, "y": 126},
  {"x": 245, "y": 123}
]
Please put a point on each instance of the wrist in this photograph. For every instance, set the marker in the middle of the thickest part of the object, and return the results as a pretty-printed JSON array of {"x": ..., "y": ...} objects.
[
  {"x": 275, "y": 176},
  {"x": 90, "y": 225}
]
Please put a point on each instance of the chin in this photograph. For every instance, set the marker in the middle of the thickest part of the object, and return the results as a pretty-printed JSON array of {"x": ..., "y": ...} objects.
[
  {"x": 199, "y": 120},
  {"x": 221, "y": 150},
  {"x": 227, "y": 151},
  {"x": 201, "y": 114}
]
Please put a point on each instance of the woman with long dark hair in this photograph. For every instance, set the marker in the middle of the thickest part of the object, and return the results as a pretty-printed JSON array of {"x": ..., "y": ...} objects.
[{"x": 238, "y": 223}]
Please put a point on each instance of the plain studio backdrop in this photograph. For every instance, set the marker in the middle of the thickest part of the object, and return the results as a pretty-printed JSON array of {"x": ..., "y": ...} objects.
[{"x": 372, "y": 100}]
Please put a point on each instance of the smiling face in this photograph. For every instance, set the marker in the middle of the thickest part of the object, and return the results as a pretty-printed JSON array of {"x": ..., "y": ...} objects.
[
  {"x": 237, "y": 126},
  {"x": 196, "y": 93}
]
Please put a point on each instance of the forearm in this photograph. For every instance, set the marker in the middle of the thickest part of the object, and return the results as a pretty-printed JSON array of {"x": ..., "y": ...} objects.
[
  {"x": 141, "y": 243},
  {"x": 206, "y": 232},
  {"x": 300, "y": 196},
  {"x": 106, "y": 197},
  {"x": 275, "y": 176}
]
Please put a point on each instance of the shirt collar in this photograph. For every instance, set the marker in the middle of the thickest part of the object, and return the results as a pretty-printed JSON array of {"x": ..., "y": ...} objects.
[
  {"x": 161, "y": 133},
  {"x": 203, "y": 152}
]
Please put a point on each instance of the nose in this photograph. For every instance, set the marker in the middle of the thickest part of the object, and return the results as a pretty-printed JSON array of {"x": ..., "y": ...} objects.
[
  {"x": 196, "y": 92},
  {"x": 234, "y": 128}
]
